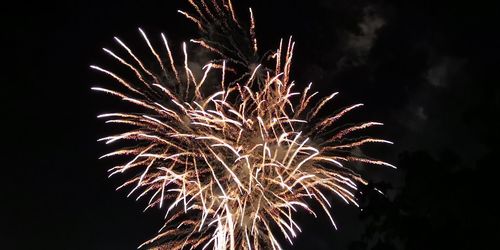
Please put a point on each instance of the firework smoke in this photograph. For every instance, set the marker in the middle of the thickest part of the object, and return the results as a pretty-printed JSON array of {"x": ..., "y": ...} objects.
[{"x": 230, "y": 163}]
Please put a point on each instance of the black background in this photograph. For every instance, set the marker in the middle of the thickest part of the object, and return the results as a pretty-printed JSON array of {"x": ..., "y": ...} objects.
[{"x": 427, "y": 69}]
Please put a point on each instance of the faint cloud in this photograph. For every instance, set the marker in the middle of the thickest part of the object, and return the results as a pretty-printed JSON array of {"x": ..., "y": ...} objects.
[
  {"x": 440, "y": 73},
  {"x": 414, "y": 117},
  {"x": 357, "y": 45},
  {"x": 362, "y": 42},
  {"x": 420, "y": 113}
]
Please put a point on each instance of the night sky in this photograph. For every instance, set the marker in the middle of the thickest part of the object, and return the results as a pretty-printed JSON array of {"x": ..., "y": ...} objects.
[{"x": 428, "y": 69}]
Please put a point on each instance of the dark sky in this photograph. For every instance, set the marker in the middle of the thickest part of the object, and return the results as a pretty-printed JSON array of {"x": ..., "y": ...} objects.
[{"x": 427, "y": 69}]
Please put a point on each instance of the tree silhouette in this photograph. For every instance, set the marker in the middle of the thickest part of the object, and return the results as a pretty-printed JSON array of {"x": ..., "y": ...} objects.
[{"x": 442, "y": 205}]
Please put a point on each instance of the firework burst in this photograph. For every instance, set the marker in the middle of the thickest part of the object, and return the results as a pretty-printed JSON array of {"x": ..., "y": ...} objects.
[{"x": 230, "y": 163}]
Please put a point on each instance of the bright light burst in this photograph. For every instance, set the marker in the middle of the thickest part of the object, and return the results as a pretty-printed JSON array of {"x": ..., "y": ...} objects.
[{"x": 231, "y": 163}]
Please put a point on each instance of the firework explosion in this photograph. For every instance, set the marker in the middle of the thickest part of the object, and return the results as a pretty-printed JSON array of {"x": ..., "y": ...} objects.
[{"x": 231, "y": 151}]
